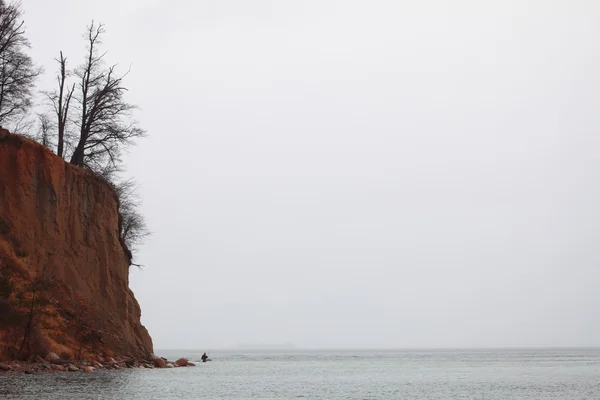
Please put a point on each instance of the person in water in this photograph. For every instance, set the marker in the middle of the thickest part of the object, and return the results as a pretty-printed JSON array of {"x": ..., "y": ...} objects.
[{"x": 204, "y": 357}]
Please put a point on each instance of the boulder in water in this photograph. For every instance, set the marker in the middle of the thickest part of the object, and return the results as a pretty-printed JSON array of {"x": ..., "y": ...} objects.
[{"x": 182, "y": 362}]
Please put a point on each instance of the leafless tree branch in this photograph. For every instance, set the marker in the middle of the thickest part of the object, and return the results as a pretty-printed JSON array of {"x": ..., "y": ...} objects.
[{"x": 17, "y": 71}]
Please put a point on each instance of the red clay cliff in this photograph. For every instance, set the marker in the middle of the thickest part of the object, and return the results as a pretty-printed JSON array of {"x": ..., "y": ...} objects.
[{"x": 60, "y": 224}]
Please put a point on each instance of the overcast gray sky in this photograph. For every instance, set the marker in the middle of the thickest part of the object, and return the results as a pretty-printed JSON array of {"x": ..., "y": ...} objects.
[{"x": 358, "y": 173}]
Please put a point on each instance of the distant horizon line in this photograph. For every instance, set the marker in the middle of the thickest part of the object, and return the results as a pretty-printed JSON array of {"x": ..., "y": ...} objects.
[{"x": 380, "y": 348}]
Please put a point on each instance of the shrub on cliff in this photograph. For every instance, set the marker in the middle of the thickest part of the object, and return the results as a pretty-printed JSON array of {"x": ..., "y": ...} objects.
[
  {"x": 34, "y": 299},
  {"x": 133, "y": 228}
]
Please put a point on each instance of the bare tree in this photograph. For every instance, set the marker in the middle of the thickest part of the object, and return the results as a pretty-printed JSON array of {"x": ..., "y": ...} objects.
[
  {"x": 38, "y": 127},
  {"x": 17, "y": 71},
  {"x": 133, "y": 224},
  {"x": 105, "y": 123},
  {"x": 37, "y": 290},
  {"x": 25, "y": 125},
  {"x": 61, "y": 100},
  {"x": 45, "y": 131}
]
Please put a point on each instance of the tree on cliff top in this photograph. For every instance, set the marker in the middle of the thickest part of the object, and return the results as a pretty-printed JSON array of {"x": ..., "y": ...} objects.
[
  {"x": 17, "y": 71},
  {"x": 105, "y": 122},
  {"x": 44, "y": 133},
  {"x": 61, "y": 101}
]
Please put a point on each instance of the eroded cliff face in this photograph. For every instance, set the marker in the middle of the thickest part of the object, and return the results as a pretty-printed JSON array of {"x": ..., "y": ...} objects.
[{"x": 60, "y": 224}]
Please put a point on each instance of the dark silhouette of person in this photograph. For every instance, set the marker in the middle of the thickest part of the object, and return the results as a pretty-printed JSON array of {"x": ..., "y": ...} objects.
[{"x": 204, "y": 357}]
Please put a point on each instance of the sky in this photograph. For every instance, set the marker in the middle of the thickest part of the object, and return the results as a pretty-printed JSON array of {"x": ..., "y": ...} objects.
[{"x": 357, "y": 174}]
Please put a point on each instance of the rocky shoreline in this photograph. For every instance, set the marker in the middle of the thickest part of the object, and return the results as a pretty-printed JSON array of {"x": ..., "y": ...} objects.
[{"x": 53, "y": 363}]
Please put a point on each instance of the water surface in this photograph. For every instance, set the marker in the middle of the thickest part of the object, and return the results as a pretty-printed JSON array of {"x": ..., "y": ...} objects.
[{"x": 360, "y": 374}]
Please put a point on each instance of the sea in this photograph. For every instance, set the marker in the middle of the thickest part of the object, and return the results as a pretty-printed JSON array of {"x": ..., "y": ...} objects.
[{"x": 494, "y": 374}]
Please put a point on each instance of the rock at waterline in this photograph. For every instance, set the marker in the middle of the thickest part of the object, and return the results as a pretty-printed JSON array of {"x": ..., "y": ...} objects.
[
  {"x": 159, "y": 363},
  {"x": 169, "y": 365},
  {"x": 61, "y": 362},
  {"x": 51, "y": 357},
  {"x": 72, "y": 368},
  {"x": 88, "y": 369},
  {"x": 182, "y": 362}
]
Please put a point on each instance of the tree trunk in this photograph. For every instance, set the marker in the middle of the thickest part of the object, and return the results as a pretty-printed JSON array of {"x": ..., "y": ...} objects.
[
  {"x": 28, "y": 327},
  {"x": 77, "y": 158},
  {"x": 59, "y": 151}
]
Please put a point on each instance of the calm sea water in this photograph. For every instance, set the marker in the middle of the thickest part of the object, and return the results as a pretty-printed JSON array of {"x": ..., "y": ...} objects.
[{"x": 568, "y": 374}]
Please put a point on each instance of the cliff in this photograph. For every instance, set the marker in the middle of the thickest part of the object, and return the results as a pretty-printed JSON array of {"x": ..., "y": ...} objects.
[{"x": 60, "y": 255}]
